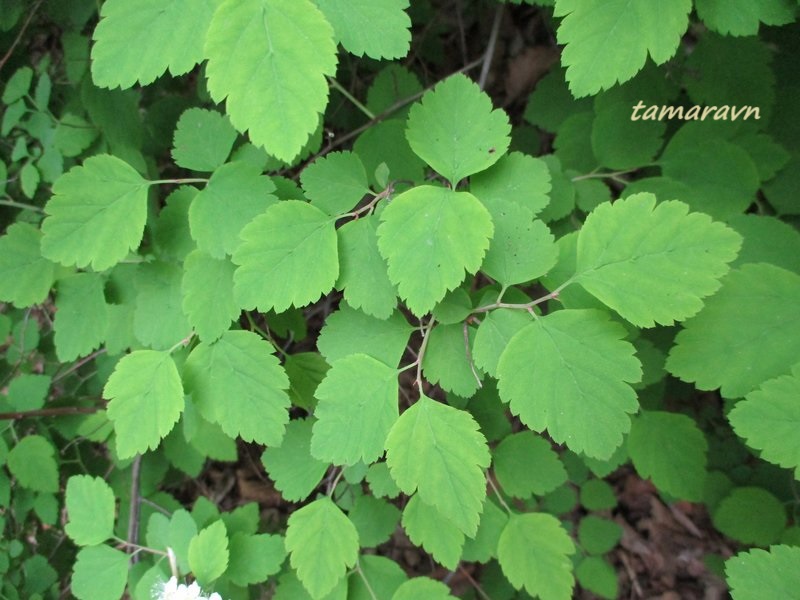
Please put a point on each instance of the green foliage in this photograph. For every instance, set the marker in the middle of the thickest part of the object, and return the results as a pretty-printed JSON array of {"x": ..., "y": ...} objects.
[
  {"x": 33, "y": 463},
  {"x": 100, "y": 573},
  {"x": 760, "y": 573},
  {"x": 208, "y": 553},
  {"x": 91, "y": 506}
]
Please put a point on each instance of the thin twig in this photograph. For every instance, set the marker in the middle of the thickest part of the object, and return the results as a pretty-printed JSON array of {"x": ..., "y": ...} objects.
[
  {"x": 474, "y": 583},
  {"x": 469, "y": 356},
  {"x": 51, "y": 412},
  {"x": 497, "y": 493},
  {"x": 489, "y": 55},
  {"x": 15, "y": 204},
  {"x": 79, "y": 364},
  {"x": 526, "y": 306},
  {"x": 354, "y": 101},
  {"x": 364, "y": 579},
  {"x": 425, "y": 330},
  {"x": 134, "y": 510},
  {"x": 16, "y": 42},
  {"x": 332, "y": 485}
]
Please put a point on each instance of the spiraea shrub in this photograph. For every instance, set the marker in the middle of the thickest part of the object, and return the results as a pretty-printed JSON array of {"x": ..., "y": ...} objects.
[{"x": 390, "y": 300}]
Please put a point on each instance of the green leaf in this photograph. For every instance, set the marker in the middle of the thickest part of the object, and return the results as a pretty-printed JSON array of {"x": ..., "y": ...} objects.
[
  {"x": 145, "y": 400},
  {"x": 681, "y": 472},
  {"x": 291, "y": 467},
  {"x": 73, "y": 135},
  {"x": 137, "y": 40},
  {"x": 483, "y": 547},
  {"x": 741, "y": 17},
  {"x": 362, "y": 271},
  {"x": 254, "y": 558},
  {"x": 378, "y": 577},
  {"x": 377, "y": 28},
  {"x": 203, "y": 139},
  {"x": 597, "y": 494},
  {"x": 439, "y": 451},
  {"x": 581, "y": 367},
  {"x": 357, "y": 408},
  {"x": 622, "y": 32},
  {"x": 430, "y": 237},
  {"x": 158, "y": 319},
  {"x": 525, "y": 464},
  {"x": 768, "y": 419},
  {"x": 182, "y": 530},
  {"x": 597, "y": 535},
  {"x": 172, "y": 234},
  {"x": 335, "y": 183},
  {"x": 96, "y": 215},
  {"x": 25, "y": 276},
  {"x": 760, "y": 574},
  {"x": 392, "y": 84},
  {"x": 750, "y": 515},
  {"x": 100, "y": 573},
  {"x": 208, "y": 553},
  {"x": 239, "y": 383},
  {"x": 375, "y": 520},
  {"x": 522, "y": 248},
  {"x": 27, "y": 391},
  {"x": 767, "y": 239},
  {"x": 305, "y": 370},
  {"x": 288, "y": 257},
  {"x": 725, "y": 346},
  {"x": 81, "y": 316},
  {"x": 32, "y": 461},
  {"x": 17, "y": 85},
  {"x": 495, "y": 331},
  {"x": 427, "y": 527},
  {"x": 533, "y": 552},
  {"x": 234, "y": 196},
  {"x": 274, "y": 86},
  {"x": 653, "y": 263},
  {"x": 516, "y": 178},
  {"x": 380, "y": 481},
  {"x": 422, "y": 587},
  {"x": 349, "y": 331},
  {"x": 208, "y": 301},
  {"x": 455, "y": 130},
  {"x": 446, "y": 360},
  {"x": 91, "y": 507},
  {"x": 323, "y": 544},
  {"x": 597, "y": 576}
]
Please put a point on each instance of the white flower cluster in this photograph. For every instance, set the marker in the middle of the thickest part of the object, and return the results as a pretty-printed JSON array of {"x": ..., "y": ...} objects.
[{"x": 171, "y": 590}]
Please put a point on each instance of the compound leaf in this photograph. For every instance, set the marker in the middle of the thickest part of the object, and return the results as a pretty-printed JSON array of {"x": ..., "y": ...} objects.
[
  {"x": 581, "y": 368},
  {"x": 455, "y": 130},
  {"x": 768, "y": 419},
  {"x": 748, "y": 332},
  {"x": 81, "y": 315},
  {"x": 377, "y": 28},
  {"x": 430, "y": 237},
  {"x": 764, "y": 574},
  {"x": 533, "y": 552},
  {"x": 323, "y": 544},
  {"x": 96, "y": 215},
  {"x": 680, "y": 472},
  {"x": 234, "y": 196},
  {"x": 653, "y": 263},
  {"x": 336, "y": 182},
  {"x": 25, "y": 276},
  {"x": 239, "y": 383},
  {"x": 91, "y": 506},
  {"x": 203, "y": 140},
  {"x": 290, "y": 466},
  {"x": 208, "y": 553},
  {"x": 208, "y": 301},
  {"x": 145, "y": 400},
  {"x": 32, "y": 461},
  {"x": 274, "y": 86},
  {"x": 357, "y": 408},
  {"x": 427, "y": 527},
  {"x": 607, "y": 41},
  {"x": 137, "y": 40},
  {"x": 288, "y": 256},
  {"x": 439, "y": 451},
  {"x": 100, "y": 573}
]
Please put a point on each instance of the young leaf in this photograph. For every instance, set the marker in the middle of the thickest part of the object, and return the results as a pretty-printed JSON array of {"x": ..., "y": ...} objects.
[
  {"x": 581, "y": 367},
  {"x": 254, "y": 558},
  {"x": 525, "y": 464},
  {"x": 158, "y": 319},
  {"x": 362, "y": 271},
  {"x": 234, "y": 196},
  {"x": 357, "y": 408},
  {"x": 81, "y": 316},
  {"x": 349, "y": 331},
  {"x": 439, "y": 451},
  {"x": 288, "y": 257},
  {"x": 203, "y": 140},
  {"x": 430, "y": 237},
  {"x": 427, "y": 527},
  {"x": 273, "y": 86},
  {"x": 455, "y": 130},
  {"x": 91, "y": 507},
  {"x": 422, "y": 587},
  {"x": 145, "y": 400},
  {"x": 239, "y": 383},
  {"x": 760, "y": 574},
  {"x": 681, "y": 471},
  {"x": 25, "y": 276},
  {"x": 96, "y": 215},
  {"x": 725, "y": 346},
  {"x": 100, "y": 573},
  {"x": 622, "y": 32},
  {"x": 336, "y": 182},
  {"x": 137, "y": 40},
  {"x": 768, "y": 419},
  {"x": 32, "y": 461},
  {"x": 290, "y": 466},
  {"x": 323, "y": 544},
  {"x": 208, "y": 553},
  {"x": 377, "y": 28},
  {"x": 533, "y": 552},
  {"x": 208, "y": 301},
  {"x": 653, "y": 263},
  {"x": 516, "y": 178}
]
